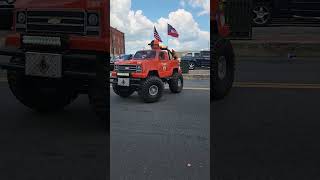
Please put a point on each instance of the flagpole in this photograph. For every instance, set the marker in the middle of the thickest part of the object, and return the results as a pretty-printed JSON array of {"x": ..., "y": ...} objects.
[{"x": 167, "y": 37}]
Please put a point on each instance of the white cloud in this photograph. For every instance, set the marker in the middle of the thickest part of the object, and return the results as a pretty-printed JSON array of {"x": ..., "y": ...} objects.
[
  {"x": 138, "y": 28},
  {"x": 203, "y": 4}
]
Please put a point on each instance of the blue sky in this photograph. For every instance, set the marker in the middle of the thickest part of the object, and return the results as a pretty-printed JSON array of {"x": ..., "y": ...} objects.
[
  {"x": 153, "y": 9},
  {"x": 136, "y": 18}
]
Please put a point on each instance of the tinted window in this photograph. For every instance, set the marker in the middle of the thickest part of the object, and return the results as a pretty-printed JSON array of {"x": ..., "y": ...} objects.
[
  {"x": 149, "y": 54},
  {"x": 161, "y": 56},
  {"x": 205, "y": 53}
]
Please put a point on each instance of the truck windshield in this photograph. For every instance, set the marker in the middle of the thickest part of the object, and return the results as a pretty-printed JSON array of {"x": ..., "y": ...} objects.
[{"x": 148, "y": 54}]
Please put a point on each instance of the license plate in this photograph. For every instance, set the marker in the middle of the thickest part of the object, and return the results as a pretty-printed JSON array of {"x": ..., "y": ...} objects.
[
  {"x": 123, "y": 81},
  {"x": 123, "y": 74},
  {"x": 43, "y": 64}
]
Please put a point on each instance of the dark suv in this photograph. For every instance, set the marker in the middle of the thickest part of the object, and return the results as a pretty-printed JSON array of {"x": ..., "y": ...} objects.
[
  {"x": 197, "y": 59},
  {"x": 266, "y": 10}
]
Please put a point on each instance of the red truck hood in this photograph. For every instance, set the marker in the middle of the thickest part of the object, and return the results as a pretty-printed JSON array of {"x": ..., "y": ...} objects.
[
  {"x": 75, "y": 4},
  {"x": 131, "y": 62}
]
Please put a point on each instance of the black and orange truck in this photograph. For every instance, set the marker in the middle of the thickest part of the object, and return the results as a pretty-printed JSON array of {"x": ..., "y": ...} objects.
[
  {"x": 59, "y": 49},
  {"x": 222, "y": 54}
]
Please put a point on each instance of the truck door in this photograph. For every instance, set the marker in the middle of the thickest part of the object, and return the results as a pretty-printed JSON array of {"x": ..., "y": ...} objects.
[
  {"x": 163, "y": 64},
  {"x": 172, "y": 63},
  {"x": 305, "y": 8}
]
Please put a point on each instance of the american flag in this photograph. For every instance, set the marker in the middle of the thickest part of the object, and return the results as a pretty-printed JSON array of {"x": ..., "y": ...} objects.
[{"x": 156, "y": 35}]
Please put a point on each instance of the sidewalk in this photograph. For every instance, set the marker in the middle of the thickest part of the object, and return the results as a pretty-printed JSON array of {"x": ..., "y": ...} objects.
[
  {"x": 279, "y": 42},
  {"x": 197, "y": 75}
]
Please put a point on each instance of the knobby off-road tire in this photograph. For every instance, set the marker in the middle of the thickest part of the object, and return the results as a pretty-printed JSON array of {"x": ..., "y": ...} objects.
[
  {"x": 222, "y": 60},
  {"x": 176, "y": 83},
  {"x": 148, "y": 88},
  {"x": 122, "y": 91},
  {"x": 43, "y": 95}
]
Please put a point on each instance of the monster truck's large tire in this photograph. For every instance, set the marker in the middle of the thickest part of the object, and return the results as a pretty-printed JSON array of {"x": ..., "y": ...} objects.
[
  {"x": 176, "y": 83},
  {"x": 42, "y": 95},
  {"x": 222, "y": 68},
  {"x": 151, "y": 89},
  {"x": 122, "y": 91}
]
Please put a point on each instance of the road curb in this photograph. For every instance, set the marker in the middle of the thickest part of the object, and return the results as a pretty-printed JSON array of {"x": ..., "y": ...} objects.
[
  {"x": 196, "y": 76},
  {"x": 276, "y": 49}
]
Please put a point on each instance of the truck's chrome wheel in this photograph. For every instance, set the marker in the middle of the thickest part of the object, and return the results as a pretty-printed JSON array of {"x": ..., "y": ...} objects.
[
  {"x": 261, "y": 15},
  {"x": 191, "y": 65},
  {"x": 153, "y": 90},
  {"x": 222, "y": 67}
]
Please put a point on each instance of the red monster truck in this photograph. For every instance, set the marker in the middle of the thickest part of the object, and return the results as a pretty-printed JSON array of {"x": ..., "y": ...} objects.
[
  {"x": 147, "y": 72},
  {"x": 222, "y": 55},
  {"x": 59, "y": 49}
]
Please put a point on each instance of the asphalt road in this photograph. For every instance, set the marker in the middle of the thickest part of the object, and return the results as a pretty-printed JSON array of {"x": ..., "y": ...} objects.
[
  {"x": 164, "y": 140},
  {"x": 167, "y": 140},
  {"x": 71, "y": 144},
  {"x": 268, "y": 127}
]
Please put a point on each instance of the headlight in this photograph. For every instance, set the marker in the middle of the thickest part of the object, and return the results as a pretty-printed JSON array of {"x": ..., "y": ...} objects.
[
  {"x": 21, "y": 17},
  {"x": 93, "y": 19},
  {"x": 139, "y": 68}
]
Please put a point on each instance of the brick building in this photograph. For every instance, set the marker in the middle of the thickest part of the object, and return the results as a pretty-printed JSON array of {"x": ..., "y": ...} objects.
[{"x": 117, "y": 43}]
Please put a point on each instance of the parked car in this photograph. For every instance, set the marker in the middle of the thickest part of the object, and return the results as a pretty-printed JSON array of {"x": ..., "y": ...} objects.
[
  {"x": 122, "y": 57},
  {"x": 265, "y": 10},
  {"x": 6, "y": 14},
  {"x": 197, "y": 59}
]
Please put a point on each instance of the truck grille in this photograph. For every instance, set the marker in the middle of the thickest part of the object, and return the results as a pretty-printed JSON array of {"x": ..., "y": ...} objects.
[
  {"x": 62, "y": 22},
  {"x": 127, "y": 68}
]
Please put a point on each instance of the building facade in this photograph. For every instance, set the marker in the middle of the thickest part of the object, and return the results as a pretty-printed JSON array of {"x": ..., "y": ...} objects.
[{"x": 117, "y": 43}]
